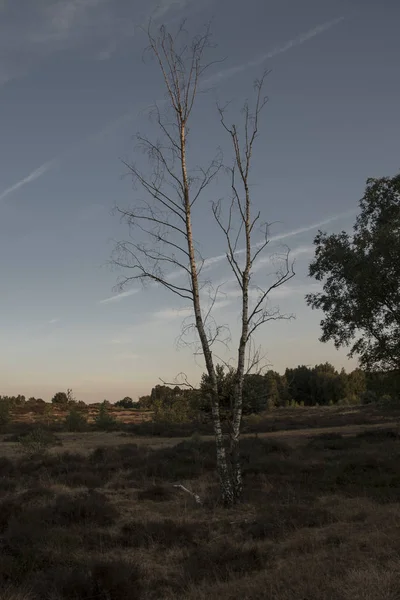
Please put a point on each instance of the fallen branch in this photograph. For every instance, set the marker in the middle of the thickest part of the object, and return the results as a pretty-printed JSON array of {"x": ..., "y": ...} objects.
[{"x": 195, "y": 496}]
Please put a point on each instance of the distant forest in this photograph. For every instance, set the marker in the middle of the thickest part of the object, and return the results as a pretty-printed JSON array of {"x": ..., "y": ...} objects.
[{"x": 321, "y": 385}]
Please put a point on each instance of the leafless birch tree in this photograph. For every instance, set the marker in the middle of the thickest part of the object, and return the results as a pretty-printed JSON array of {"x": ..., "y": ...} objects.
[{"x": 173, "y": 188}]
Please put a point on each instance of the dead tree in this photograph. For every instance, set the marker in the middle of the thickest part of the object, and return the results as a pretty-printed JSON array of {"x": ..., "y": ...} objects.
[{"x": 166, "y": 219}]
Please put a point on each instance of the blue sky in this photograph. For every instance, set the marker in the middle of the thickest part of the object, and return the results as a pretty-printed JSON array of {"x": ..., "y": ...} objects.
[{"x": 74, "y": 90}]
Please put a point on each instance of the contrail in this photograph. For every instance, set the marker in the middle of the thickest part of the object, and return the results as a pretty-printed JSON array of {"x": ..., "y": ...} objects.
[
  {"x": 281, "y": 236},
  {"x": 29, "y": 178},
  {"x": 297, "y": 41},
  {"x": 118, "y": 297},
  {"x": 209, "y": 262}
]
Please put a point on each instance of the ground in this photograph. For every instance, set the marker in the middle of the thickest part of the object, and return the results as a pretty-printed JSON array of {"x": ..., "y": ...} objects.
[{"x": 98, "y": 515}]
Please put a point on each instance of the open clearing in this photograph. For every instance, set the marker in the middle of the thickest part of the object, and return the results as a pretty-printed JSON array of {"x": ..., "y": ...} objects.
[{"x": 98, "y": 517}]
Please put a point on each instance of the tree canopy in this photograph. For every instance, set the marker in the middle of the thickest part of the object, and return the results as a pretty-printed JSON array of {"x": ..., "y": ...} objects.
[
  {"x": 126, "y": 402},
  {"x": 361, "y": 274},
  {"x": 60, "y": 398}
]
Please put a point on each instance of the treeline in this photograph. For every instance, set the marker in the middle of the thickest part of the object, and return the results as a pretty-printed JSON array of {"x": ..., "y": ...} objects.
[{"x": 321, "y": 385}]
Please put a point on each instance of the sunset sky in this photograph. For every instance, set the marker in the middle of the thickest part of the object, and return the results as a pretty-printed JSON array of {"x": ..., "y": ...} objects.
[{"x": 74, "y": 90}]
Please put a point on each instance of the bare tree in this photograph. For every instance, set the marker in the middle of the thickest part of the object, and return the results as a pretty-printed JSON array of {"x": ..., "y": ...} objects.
[{"x": 166, "y": 218}]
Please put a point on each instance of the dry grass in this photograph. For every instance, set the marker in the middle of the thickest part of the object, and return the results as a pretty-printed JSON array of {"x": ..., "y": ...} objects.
[{"x": 98, "y": 517}]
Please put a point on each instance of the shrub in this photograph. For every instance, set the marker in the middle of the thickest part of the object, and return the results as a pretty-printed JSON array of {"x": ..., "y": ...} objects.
[
  {"x": 7, "y": 467},
  {"x": 379, "y": 435},
  {"x": 75, "y": 421},
  {"x": 223, "y": 561},
  {"x": 156, "y": 493},
  {"x": 60, "y": 398},
  {"x": 103, "y": 580},
  {"x": 125, "y": 403},
  {"x": 104, "y": 421},
  {"x": 7, "y": 484},
  {"x": 87, "y": 507},
  {"x": 281, "y": 520},
  {"x": 368, "y": 397},
  {"x": 38, "y": 441},
  {"x": 331, "y": 441},
  {"x": 388, "y": 401},
  {"x": 9, "y": 508},
  {"x": 5, "y": 416},
  {"x": 167, "y": 533}
]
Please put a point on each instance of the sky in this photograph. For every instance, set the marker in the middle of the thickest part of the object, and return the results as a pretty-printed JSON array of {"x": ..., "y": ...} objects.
[{"x": 74, "y": 89}]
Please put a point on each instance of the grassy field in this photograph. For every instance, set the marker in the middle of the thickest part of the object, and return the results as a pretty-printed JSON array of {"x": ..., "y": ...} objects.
[{"x": 98, "y": 517}]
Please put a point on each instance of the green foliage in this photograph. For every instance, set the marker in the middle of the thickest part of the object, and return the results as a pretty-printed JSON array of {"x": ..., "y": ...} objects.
[
  {"x": 350, "y": 400},
  {"x": 37, "y": 442},
  {"x": 225, "y": 384},
  {"x": 388, "y": 401},
  {"x": 60, "y": 398},
  {"x": 75, "y": 421},
  {"x": 178, "y": 411},
  {"x": 126, "y": 403},
  {"x": 361, "y": 273},
  {"x": 104, "y": 421}
]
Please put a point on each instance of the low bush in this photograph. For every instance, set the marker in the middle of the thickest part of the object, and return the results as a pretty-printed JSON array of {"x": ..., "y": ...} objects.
[
  {"x": 5, "y": 415},
  {"x": 104, "y": 421},
  {"x": 331, "y": 441},
  {"x": 379, "y": 435},
  {"x": 103, "y": 580},
  {"x": 85, "y": 508},
  {"x": 223, "y": 561},
  {"x": 75, "y": 421},
  {"x": 38, "y": 441},
  {"x": 156, "y": 493},
  {"x": 166, "y": 533},
  {"x": 7, "y": 467},
  {"x": 278, "y": 521}
]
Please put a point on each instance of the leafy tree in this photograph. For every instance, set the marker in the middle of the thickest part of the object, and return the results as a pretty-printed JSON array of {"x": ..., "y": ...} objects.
[
  {"x": 225, "y": 387},
  {"x": 326, "y": 384},
  {"x": 144, "y": 402},
  {"x": 356, "y": 383},
  {"x": 60, "y": 398},
  {"x": 178, "y": 411},
  {"x": 361, "y": 274},
  {"x": 71, "y": 397},
  {"x": 254, "y": 393},
  {"x": 126, "y": 402},
  {"x": 300, "y": 385},
  {"x": 284, "y": 391}
]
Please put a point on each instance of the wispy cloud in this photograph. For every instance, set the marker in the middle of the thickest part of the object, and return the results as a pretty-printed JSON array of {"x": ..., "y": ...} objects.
[
  {"x": 297, "y": 41},
  {"x": 173, "y": 313},
  {"x": 30, "y": 178},
  {"x": 165, "y": 6},
  {"x": 126, "y": 356},
  {"x": 53, "y": 321},
  {"x": 60, "y": 18},
  {"x": 96, "y": 27},
  {"x": 38, "y": 29},
  {"x": 119, "y": 297}
]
